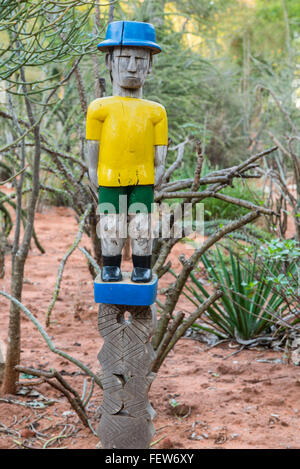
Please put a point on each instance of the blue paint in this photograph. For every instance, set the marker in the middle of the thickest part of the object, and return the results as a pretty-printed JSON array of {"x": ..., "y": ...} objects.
[
  {"x": 125, "y": 292},
  {"x": 130, "y": 33}
]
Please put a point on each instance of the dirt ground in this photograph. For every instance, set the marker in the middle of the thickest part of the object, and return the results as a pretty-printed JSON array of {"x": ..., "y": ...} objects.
[{"x": 249, "y": 399}]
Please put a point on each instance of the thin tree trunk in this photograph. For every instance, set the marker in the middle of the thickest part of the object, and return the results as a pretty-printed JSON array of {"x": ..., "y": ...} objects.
[
  {"x": 111, "y": 12},
  {"x": 14, "y": 333},
  {"x": 287, "y": 32},
  {"x": 95, "y": 58}
]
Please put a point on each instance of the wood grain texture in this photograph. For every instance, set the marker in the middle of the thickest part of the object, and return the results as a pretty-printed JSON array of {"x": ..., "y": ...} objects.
[{"x": 126, "y": 360}]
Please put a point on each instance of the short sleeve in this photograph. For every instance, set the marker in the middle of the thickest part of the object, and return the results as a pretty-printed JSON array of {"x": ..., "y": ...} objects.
[
  {"x": 161, "y": 129},
  {"x": 93, "y": 124}
]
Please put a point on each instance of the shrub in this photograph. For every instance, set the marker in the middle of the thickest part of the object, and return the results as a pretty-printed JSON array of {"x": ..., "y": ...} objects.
[{"x": 251, "y": 302}]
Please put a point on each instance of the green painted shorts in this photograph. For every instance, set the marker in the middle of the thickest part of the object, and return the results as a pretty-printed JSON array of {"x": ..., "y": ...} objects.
[{"x": 126, "y": 199}]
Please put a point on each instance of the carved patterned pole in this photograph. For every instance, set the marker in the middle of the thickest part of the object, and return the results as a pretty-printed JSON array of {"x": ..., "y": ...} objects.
[
  {"x": 127, "y": 144},
  {"x": 126, "y": 359}
]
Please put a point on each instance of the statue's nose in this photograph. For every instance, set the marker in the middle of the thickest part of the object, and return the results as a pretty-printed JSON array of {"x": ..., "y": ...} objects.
[{"x": 132, "y": 65}]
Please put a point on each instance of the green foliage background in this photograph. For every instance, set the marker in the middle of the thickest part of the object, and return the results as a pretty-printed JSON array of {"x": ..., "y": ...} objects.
[
  {"x": 215, "y": 54},
  {"x": 220, "y": 59}
]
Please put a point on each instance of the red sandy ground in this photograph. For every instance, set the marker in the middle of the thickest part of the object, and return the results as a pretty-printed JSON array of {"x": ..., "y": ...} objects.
[{"x": 227, "y": 401}]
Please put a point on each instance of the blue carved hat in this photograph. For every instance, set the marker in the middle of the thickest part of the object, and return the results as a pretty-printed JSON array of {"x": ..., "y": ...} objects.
[{"x": 130, "y": 33}]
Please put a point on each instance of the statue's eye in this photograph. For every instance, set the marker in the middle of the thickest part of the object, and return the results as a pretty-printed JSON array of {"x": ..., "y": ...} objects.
[{"x": 128, "y": 57}]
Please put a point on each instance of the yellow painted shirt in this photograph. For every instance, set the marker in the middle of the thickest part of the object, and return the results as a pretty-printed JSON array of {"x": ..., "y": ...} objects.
[{"x": 128, "y": 129}]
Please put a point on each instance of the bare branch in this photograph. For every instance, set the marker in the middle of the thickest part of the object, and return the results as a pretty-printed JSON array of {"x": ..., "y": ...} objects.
[
  {"x": 63, "y": 263},
  {"x": 175, "y": 289},
  {"x": 186, "y": 324},
  {"x": 196, "y": 183},
  {"x": 49, "y": 342},
  {"x": 63, "y": 387},
  {"x": 178, "y": 161}
]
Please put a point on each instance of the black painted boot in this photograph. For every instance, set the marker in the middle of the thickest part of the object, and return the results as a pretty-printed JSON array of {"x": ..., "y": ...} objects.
[
  {"x": 111, "y": 270},
  {"x": 142, "y": 272}
]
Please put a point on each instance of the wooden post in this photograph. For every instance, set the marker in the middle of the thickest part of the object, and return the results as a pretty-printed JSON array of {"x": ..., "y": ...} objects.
[{"x": 126, "y": 359}]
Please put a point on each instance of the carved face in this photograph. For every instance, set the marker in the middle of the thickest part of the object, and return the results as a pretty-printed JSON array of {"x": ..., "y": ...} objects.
[{"x": 129, "y": 66}]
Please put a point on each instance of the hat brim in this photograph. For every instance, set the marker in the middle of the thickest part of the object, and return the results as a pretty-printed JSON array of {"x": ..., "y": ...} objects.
[{"x": 109, "y": 43}]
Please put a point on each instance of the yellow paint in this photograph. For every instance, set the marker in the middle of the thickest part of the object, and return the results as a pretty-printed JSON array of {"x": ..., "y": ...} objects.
[{"x": 128, "y": 129}]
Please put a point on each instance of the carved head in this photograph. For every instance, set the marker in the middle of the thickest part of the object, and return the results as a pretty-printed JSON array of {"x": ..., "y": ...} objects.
[
  {"x": 129, "y": 66},
  {"x": 129, "y": 46}
]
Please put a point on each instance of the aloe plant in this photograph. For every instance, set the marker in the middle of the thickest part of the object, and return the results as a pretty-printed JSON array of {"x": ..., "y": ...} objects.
[{"x": 249, "y": 305}]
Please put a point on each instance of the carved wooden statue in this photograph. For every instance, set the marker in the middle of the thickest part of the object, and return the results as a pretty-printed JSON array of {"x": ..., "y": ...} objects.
[{"x": 127, "y": 146}]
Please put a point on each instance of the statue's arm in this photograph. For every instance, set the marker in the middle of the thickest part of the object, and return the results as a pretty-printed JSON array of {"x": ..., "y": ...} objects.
[
  {"x": 159, "y": 163},
  {"x": 92, "y": 162}
]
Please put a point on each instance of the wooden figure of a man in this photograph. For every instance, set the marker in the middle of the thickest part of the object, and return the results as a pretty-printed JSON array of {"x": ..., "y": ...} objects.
[{"x": 127, "y": 146}]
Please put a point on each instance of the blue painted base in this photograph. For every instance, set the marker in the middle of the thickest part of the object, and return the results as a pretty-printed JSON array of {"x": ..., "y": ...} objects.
[{"x": 125, "y": 292}]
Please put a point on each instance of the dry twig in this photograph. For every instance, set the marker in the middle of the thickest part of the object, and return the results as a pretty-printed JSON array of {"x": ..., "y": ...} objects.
[{"x": 62, "y": 386}]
